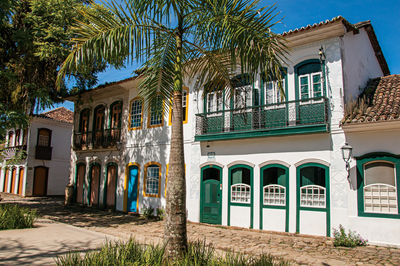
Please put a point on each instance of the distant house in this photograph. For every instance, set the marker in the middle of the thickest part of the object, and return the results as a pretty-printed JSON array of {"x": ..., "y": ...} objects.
[
  {"x": 260, "y": 159},
  {"x": 47, "y": 143}
]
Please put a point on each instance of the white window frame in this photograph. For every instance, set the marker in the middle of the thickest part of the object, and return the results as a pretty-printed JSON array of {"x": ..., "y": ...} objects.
[
  {"x": 378, "y": 189},
  {"x": 246, "y": 100},
  {"x": 214, "y": 105},
  {"x": 315, "y": 198},
  {"x": 154, "y": 179},
  {"x": 277, "y": 100},
  {"x": 134, "y": 114},
  {"x": 310, "y": 84},
  {"x": 242, "y": 193},
  {"x": 274, "y": 194}
]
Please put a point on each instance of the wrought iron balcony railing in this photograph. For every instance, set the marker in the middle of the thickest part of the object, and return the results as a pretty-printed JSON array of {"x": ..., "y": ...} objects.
[
  {"x": 43, "y": 152},
  {"x": 261, "y": 118},
  {"x": 9, "y": 152},
  {"x": 97, "y": 139}
]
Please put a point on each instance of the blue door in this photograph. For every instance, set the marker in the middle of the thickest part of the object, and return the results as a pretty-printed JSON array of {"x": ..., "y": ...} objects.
[{"x": 132, "y": 188}]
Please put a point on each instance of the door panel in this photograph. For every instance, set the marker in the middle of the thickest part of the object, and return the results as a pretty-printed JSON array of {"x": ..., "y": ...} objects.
[
  {"x": 40, "y": 181},
  {"x": 5, "y": 185},
  {"x": 211, "y": 196},
  {"x": 21, "y": 180},
  {"x": 111, "y": 181},
  {"x": 94, "y": 185},
  {"x": 13, "y": 179},
  {"x": 132, "y": 188},
  {"x": 79, "y": 183}
]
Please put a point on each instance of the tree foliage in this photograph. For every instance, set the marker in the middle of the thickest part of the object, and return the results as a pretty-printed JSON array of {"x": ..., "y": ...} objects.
[{"x": 34, "y": 41}]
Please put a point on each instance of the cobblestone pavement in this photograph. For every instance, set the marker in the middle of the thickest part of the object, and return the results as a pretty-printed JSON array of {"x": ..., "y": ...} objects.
[{"x": 298, "y": 249}]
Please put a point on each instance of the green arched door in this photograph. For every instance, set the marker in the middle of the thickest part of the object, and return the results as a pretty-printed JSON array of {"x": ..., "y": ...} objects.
[{"x": 211, "y": 195}]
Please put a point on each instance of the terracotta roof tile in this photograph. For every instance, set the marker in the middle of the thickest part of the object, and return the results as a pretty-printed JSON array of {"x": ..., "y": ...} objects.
[
  {"x": 60, "y": 114},
  {"x": 380, "y": 101}
]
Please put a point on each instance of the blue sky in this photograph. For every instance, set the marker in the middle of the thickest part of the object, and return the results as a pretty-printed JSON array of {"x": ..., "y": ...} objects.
[{"x": 384, "y": 16}]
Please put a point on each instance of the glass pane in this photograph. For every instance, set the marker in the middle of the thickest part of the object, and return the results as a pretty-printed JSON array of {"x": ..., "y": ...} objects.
[
  {"x": 241, "y": 176},
  {"x": 379, "y": 172},
  {"x": 312, "y": 176},
  {"x": 304, "y": 87},
  {"x": 136, "y": 113},
  {"x": 211, "y": 173}
]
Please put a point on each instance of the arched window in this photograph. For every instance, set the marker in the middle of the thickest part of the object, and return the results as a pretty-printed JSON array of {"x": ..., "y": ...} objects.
[
  {"x": 378, "y": 185},
  {"x": 84, "y": 121},
  {"x": 156, "y": 112},
  {"x": 116, "y": 112},
  {"x": 17, "y": 137},
  {"x": 10, "y": 138},
  {"x": 241, "y": 185},
  {"x": 309, "y": 79},
  {"x": 274, "y": 186},
  {"x": 98, "y": 125},
  {"x": 44, "y": 137},
  {"x": 152, "y": 179},
  {"x": 312, "y": 187},
  {"x": 136, "y": 113}
]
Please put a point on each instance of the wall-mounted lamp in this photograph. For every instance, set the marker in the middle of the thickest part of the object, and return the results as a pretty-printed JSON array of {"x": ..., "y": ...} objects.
[
  {"x": 322, "y": 56},
  {"x": 347, "y": 151}
]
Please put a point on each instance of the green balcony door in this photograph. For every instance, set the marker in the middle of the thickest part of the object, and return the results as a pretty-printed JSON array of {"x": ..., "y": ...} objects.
[{"x": 211, "y": 195}]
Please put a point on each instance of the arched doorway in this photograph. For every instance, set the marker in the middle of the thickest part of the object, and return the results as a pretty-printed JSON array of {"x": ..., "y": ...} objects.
[
  {"x": 13, "y": 179},
  {"x": 133, "y": 188},
  {"x": 111, "y": 185},
  {"x": 313, "y": 199},
  {"x": 5, "y": 185},
  {"x": 21, "y": 180},
  {"x": 211, "y": 195},
  {"x": 240, "y": 196},
  {"x": 274, "y": 198},
  {"x": 40, "y": 181},
  {"x": 79, "y": 182},
  {"x": 94, "y": 183}
]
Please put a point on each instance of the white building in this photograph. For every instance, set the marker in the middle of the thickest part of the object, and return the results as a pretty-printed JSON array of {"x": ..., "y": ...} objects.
[
  {"x": 47, "y": 143},
  {"x": 259, "y": 160}
]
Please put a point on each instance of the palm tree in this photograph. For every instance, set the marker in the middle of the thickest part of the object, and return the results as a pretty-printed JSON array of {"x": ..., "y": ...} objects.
[{"x": 206, "y": 40}]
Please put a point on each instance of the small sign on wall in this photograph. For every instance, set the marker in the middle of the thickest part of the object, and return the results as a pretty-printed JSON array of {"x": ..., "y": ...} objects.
[{"x": 211, "y": 156}]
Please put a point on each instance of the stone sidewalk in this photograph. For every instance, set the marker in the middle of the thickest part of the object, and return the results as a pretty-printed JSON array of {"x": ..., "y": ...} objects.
[{"x": 298, "y": 249}]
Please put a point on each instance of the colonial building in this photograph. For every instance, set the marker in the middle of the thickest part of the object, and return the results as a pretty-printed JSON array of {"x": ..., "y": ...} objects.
[
  {"x": 260, "y": 159},
  {"x": 44, "y": 168}
]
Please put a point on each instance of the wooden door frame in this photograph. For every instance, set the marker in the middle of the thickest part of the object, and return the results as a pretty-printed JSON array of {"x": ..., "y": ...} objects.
[
  {"x": 106, "y": 187},
  {"x": 90, "y": 184},
  {"x": 34, "y": 179},
  {"x": 202, "y": 190}
]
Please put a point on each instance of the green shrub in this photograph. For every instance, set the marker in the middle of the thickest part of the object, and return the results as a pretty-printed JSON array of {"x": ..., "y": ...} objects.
[
  {"x": 160, "y": 213},
  {"x": 148, "y": 212},
  {"x": 13, "y": 216},
  {"x": 350, "y": 239},
  {"x": 132, "y": 253}
]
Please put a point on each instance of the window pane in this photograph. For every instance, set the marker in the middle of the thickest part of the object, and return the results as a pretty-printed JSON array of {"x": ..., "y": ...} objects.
[
  {"x": 156, "y": 111},
  {"x": 241, "y": 176},
  {"x": 269, "y": 92},
  {"x": 152, "y": 180},
  {"x": 379, "y": 172},
  {"x": 44, "y": 138},
  {"x": 136, "y": 113},
  {"x": 304, "y": 87},
  {"x": 317, "y": 85}
]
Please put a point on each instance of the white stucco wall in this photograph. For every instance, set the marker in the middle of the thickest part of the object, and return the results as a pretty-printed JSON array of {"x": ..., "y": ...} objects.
[{"x": 359, "y": 62}]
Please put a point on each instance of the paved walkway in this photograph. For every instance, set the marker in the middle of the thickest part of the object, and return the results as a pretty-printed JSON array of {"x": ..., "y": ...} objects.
[{"x": 298, "y": 249}]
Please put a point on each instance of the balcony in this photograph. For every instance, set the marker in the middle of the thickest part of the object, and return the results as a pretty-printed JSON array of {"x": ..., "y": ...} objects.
[
  {"x": 98, "y": 139},
  {"x": 43, "y": 152},
  {"x": 10, "y": 152},
  {"x": 292, "y": 117}
]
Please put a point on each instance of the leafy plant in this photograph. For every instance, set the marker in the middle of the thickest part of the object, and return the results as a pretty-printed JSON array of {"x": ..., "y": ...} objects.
[
  {"x": 160, "y": 213},
  {"x": 350, "y": 239},
  {"x": 13, "y": 216},
  {"x": 148, "y": 212},
  {"x": 133, "y": 253}
]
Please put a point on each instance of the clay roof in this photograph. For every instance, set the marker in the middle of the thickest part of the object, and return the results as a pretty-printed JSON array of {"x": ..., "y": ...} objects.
[
  {"x": 60, "y": 114},
  {"x": 380, "y": 101}
]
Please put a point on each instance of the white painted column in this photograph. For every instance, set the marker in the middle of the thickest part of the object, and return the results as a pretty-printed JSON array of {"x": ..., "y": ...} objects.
[
  {"x": 292, "y": 199},
  {"x": 225, "y": 198},
  {"x": 256, "y": 197}
]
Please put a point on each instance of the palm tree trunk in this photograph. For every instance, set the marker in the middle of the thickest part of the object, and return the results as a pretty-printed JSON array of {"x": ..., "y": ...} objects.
[{"x": 175, "y": 235}]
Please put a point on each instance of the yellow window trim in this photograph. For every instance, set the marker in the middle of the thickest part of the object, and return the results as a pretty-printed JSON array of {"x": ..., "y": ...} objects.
[
  {"x": 145, "y": 177},
  {"x": 126, "y": 187},
  {"x": 149, "y": 118},
  {"x": 166, "y": 180},
  {"x": 130, "y": 114},
  {"x": 186, "y": 111}
]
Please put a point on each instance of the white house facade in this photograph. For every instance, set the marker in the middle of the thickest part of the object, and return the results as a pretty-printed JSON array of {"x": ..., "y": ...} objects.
[
  {"x": 44, "y": 170},
  {"x": 260, "y": 159}
]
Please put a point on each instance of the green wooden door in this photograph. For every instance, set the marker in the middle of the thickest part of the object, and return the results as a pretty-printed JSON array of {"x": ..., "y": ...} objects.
[{"x": 211, "y": 194}]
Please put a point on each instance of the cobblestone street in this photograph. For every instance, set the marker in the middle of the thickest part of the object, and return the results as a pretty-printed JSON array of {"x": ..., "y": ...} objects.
[{"x": 298, "y": 249}]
